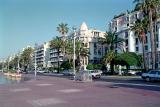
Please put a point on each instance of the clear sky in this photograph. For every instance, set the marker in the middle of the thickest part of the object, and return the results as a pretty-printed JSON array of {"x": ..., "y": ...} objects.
[{"x": 26, "y": 22}]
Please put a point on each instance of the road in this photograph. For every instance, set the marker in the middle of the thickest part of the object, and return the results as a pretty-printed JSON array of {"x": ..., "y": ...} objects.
[
  {"x": 131, "y": 82},
  {"x": 53, "y": 91}
]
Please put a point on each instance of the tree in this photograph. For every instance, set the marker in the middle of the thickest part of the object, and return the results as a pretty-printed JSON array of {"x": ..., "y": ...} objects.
[
  {"x": 149, "y": 8},
  {"x": 127, "y": 59},
  {"x": 14, "y": 62},
  {"x": 90, "y": 67},
  {"x": 113, "y": 42},
  {"x": 140, "y": 28},
  {"x": 66, "y": 65},
  {"x": 58, "y": 44},
  {"x": 63, "y": 29},
  {"x": 26, "y": 58},
  {"x": 81, "y": 53},
  {"x": 80, "y": 50}
]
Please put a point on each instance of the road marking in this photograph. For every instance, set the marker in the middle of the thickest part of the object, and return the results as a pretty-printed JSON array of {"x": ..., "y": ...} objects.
[
  {"x": 148, "y": 85},
  {"x": 45, "y": 102},
  {"x": 70, "y": 90},
  {"x": 20, "y": 90},
  {"x": 43, "y": 85}
]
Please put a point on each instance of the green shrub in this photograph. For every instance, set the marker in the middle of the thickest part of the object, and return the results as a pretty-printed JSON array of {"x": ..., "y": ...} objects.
[{"x": 90, "y": 67}]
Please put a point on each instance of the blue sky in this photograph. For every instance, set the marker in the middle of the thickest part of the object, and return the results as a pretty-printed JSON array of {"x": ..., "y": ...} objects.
[{"x": 26, "y": 22}]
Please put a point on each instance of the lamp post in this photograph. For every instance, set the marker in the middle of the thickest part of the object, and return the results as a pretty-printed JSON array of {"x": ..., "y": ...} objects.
[
  {"x": 18, "y": 62},
  {"x": 74, "y": 35},
  {"x": 35, "y": 63}
]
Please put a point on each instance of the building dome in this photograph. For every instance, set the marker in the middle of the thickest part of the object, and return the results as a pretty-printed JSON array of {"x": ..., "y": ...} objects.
[{"x": 83, "y": 26}]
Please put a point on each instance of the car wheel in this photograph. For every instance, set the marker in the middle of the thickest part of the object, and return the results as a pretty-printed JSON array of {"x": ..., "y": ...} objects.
[{"x": 148, "y": 79}]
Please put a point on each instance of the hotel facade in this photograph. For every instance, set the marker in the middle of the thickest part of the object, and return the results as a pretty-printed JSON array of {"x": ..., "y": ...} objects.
[{"x": 121, "y": 25}]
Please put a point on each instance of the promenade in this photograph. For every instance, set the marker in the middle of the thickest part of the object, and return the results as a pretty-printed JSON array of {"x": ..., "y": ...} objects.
[{"x": 50, "y": 91}]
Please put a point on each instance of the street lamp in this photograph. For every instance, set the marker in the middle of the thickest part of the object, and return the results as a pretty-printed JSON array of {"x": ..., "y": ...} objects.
[
  {"x": 74, "y": 36},
  {"x": 18, "y": 62},
  {"x": 35, "y": 65}
]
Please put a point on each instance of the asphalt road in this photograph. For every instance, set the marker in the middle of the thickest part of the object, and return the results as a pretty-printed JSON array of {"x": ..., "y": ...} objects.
[{"x": 131, "y": 82}]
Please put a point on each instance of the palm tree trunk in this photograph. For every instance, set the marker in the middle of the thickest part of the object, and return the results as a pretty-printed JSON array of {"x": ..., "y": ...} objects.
[
  {"x": 144, "y": 59},
  {"x": 152, "y": 40},
  {"x": 112, "y": 67}
]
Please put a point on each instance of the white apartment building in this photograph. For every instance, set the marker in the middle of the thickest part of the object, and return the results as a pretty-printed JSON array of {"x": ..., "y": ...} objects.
[
  {"x": 89, "y": 38},
  {"x": 54, "y": 57},
  {"x": 42, "y": 55},
  {"x": 121, "y": 25}
]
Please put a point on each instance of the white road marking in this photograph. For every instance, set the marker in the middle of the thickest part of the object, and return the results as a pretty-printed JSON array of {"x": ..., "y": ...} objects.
[
  {"x": 45, "y": 102},
  {"x": 20, "y": 90},
  {"x": 70, "y": 90},
  {"x": 43, "y": 85}
]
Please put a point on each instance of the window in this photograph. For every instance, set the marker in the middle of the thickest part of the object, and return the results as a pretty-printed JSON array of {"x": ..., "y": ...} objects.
[
  {"x": 95, "y": 45},
  {"x": 126, "y": 34},
  {"x": 127, "y": 18},
  {"x": 136, "y": 41},
  {"x": 137, "y": 49},
  {"x": 156, "y": 28},
  {"x": 95, "y": 51},
  {"x": 136, "y": 16},
  {"x": 146, "y": 47},
  {"x": 115, "y": 29},
  {"x": 106, "y": 49},
  {"x": 126, "y": 42},
  {"x": 146, "y": 39},
  {"x": 152, "y": 72},
  {"x": 99, "y": 51}
]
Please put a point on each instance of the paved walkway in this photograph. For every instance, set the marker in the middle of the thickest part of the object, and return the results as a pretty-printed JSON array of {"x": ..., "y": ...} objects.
[{"x": 61, "y": 92}]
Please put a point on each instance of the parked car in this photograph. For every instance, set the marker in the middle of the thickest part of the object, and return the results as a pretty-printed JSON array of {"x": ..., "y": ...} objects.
[
  {"x": 96, "y": 73},
  {"x": 139, "y": 73},
  {"x": 132, "y": 72},
  {"x": 40, "y": 71},
  {"x": 68, "y": 73},
  {"x": 152, "y": 75}
]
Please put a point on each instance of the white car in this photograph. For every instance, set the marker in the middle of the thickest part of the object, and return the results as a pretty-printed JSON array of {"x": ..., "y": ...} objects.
[
  {"x": 132, "y": 72},
  {"x": 40, "y": 71},
  {"x": 96, "y": 73},
  {"x": 151, "y": 75}
]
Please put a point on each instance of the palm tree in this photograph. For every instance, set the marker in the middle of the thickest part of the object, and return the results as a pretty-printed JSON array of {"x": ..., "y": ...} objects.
[
  {"x": 69, "y": 50},
  {"x": 62, "y": 29},
  {"x": 140, "y": 28},
  {"x": 149, "y": 8},
  {"x": 58, "y": 44},
  {"x": 113, "y": 42},
  {"x": 82, "y": 53},
  {"x": 80, "y": 50}
]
